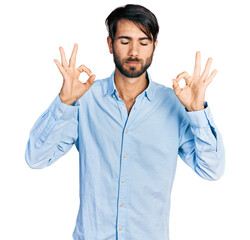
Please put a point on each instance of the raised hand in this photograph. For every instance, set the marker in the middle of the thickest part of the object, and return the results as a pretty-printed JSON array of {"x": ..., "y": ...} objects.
[
  {"x": 72, "y": 88},
  {"x": 192, "y": 96}
]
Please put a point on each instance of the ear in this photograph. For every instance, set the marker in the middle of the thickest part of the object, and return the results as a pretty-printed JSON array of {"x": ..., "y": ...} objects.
[
  {"x": 156, "y": 42},
  {"x": 109, "y": 41}
]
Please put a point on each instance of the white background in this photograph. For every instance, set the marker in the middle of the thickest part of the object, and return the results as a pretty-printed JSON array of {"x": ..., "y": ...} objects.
[{"x": 43, "y": 204}]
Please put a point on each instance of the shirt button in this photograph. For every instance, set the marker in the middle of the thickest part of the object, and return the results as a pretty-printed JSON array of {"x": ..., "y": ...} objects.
[
  {"x": 125, "y": 155},
  {"x": 122, "y": 205},
  {"x": 59, "y": 110},
  {"x": 126, "y": 131},
  {"x": 120, "y": 228},
  {"x": 123, "y": 181}
]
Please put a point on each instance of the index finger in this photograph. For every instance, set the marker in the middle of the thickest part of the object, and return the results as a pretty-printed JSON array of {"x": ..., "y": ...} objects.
[
  {"x": 197, "y": 67},
  {"x": 72, "y": 60}
]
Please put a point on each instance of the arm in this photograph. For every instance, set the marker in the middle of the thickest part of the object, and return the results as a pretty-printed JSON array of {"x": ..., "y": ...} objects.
[
  {"x": 201, "y": 146},
  {"x": 53, "y": 134},
  {"x": 56, "y": 130}
]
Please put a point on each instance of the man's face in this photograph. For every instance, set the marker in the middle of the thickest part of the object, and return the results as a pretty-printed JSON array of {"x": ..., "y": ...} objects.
[{"x": 132, "y": 49}]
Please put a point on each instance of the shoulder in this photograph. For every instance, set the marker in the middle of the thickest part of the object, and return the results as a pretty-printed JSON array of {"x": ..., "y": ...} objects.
[
  {"x": 163, "y": 92},
  {"x": 98, "y": 88},
  {"x": 100, "y": 84},
  {"x": 166, "y": 97}
]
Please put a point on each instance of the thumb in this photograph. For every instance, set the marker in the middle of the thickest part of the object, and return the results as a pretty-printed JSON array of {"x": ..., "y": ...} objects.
[{"x": 176, "y": 87}]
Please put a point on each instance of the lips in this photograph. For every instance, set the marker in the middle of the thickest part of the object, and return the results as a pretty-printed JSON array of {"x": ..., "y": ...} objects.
[{"x": 133, "y": 63}]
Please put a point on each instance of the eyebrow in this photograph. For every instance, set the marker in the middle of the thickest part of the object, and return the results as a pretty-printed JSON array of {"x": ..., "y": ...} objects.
[{"x": 129, "y": 38}]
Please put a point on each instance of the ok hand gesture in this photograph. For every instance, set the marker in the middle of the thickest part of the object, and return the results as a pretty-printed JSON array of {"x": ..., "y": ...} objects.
[
  {"x": 72, "y": 88},
  {"x": 192, "y": 96}
]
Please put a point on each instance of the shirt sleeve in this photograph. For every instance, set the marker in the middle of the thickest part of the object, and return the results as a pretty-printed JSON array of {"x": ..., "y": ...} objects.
[
  {"x": 201, "y": 146},
  {"x": 53, "y": 134}
]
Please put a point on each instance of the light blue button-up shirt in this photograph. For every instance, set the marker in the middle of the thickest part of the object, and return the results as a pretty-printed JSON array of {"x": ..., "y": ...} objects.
[{"x": 127, "y": 162}]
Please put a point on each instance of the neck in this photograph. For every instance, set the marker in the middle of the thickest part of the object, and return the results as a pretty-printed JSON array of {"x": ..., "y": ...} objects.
[{"x": 130, "y": 88}]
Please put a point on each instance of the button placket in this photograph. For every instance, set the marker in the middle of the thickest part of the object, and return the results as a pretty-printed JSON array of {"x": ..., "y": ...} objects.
[{"x": 123, "y": 187}]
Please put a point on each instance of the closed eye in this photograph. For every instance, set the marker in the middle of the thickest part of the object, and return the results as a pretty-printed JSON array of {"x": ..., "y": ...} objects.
[{"x": 124, "y": 43}]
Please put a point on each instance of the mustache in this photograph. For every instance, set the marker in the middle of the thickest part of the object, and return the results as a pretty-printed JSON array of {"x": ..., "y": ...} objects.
[{"x": 133, "y": 60}]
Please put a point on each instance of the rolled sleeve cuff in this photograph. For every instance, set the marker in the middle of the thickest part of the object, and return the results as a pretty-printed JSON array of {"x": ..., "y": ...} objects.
[
  {"x": 59, "y": 111},
  {"x": 201, "y": 118},
  {"x": 63, "y": 111}
]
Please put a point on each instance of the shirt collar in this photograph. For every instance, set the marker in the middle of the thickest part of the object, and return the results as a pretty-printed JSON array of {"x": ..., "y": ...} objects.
[{"x": 111, "y": 88}]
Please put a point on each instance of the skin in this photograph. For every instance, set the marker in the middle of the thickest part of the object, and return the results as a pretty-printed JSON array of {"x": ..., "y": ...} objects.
[
  {"x": 131, "y": 43},
  {"x": 72, "y": 88},
  {"x": 192, "y": 96}
]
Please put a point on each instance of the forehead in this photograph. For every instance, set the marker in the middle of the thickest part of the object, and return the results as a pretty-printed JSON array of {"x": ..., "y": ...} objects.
[{"x": 130, "y": 29}]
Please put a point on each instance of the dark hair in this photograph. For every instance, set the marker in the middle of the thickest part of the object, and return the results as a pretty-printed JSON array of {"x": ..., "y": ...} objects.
[{"x": 140, "y": 15}]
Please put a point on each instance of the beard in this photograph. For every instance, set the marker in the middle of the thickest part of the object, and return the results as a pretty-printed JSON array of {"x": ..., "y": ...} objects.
[{"x": 132, "y": 71}]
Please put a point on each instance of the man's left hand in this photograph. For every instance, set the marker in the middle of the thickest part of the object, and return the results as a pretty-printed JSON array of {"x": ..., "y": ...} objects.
[{"x": 192, "y": 96}]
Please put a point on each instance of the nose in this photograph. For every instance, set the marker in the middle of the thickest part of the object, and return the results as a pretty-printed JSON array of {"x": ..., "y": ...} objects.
[{"x": 134, "y": 49}]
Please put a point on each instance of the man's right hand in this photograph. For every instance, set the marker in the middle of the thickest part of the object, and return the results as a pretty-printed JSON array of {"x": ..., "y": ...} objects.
[{"x": 72, "y": 88}]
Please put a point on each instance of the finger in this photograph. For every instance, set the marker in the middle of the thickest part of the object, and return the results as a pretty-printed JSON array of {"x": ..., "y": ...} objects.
[
  {"x": 61, "y": 69},
  {"x": 197, "y": 67},
  {"x": 185, "y": 75},
  {"x": 206, "y": 70},
  {"x": 176, "y": 87},
  {"x": 211, "y": 76},
  {"x": 72, "y": 60},
  {"x": 63, "y": 58},
  {"x": 83, "y": 68},
  {"x": 89, "y": 82}
]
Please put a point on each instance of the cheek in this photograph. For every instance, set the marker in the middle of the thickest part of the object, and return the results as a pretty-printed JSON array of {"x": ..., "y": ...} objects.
[
  {"x": 121, "y": 52},
  {"x": 146, "y": 51},
  {"x": 150, "y": 53}
]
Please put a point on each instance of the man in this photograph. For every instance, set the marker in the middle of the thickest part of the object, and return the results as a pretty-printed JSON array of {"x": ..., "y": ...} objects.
[{"x": 129, "y": 131}]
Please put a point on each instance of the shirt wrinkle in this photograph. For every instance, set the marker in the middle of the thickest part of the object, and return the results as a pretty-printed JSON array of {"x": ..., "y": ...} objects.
[{"x": 127, "y": 163}]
